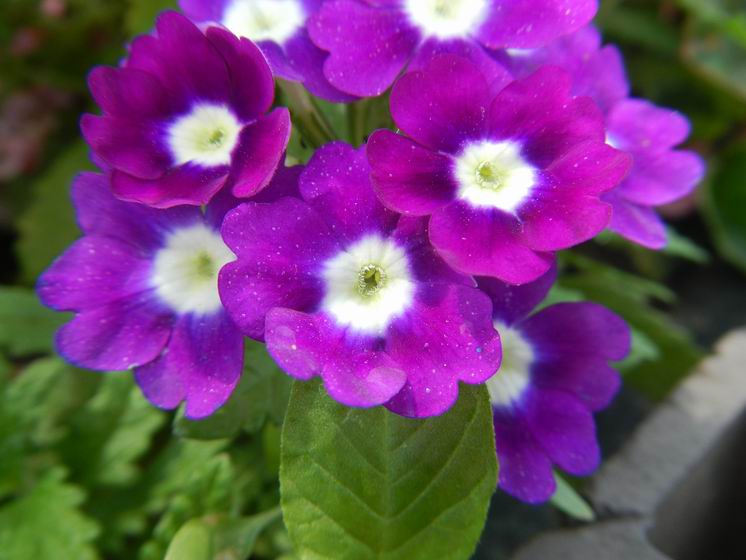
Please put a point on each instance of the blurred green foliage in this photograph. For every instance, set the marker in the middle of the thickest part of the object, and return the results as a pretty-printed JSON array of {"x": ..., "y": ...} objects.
[{"x": 89, "y": 470}]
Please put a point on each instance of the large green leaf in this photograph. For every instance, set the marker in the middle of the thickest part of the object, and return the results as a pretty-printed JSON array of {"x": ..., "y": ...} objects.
[
  {"x": 48, "y": 226},
  {"x": 364, "y": 484},
  {"x": 26, "y": 326},
  {"x": 262, "y": 394},
  {"x": 46, "y": 524}
]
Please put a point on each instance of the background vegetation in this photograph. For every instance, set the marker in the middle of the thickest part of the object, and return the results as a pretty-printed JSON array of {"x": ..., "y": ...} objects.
[{"x": 89, "y": 470}]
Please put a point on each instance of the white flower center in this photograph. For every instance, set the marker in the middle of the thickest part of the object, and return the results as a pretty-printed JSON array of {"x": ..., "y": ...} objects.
[
  {"x": 514, "y": 376},
  {"x": 206, "y": 136},
  {"x": 494, "y": 175},
  {"x": 185, "y": 272},
  {"x": 264, "y": 20},
  {"x": 368, "y": 285},
  {"x": 447, "y": 19}
]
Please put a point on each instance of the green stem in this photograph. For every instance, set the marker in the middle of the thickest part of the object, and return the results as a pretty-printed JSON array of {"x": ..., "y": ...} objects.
[
  {"x": 357, "y": 121},
  {"x": 311, "y": 122}
]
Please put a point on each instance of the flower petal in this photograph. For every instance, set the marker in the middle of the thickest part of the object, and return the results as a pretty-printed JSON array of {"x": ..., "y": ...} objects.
[
  {"x": 354, "y": 372},
  {"x": 513, "y": 303},
  {"x": 446, "y": 337},
  {"x": 407, "y": 177}
]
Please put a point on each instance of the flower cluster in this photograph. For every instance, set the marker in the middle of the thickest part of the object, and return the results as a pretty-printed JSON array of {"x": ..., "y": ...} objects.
[{"x": 392, "y": 271}]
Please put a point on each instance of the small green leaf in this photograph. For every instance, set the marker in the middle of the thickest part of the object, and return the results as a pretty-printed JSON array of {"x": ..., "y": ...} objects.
[
  {"x": 365, "y": 484},
  {"x": 46, "y": 523},
  {"x": 111, "y": 432},
  {"x": 567, "y": 500},
  {"x": 192, "y": 542},
  {"x": 48, "y": 226},
  {"x": 26, "y": 326},
  {"x": 261, "y": 395},
  {"x": 684, "y": 248},
  {"x": 235, "y": 538}
]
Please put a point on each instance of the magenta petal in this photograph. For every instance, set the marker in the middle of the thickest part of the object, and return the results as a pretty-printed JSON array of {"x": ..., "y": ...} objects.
[
  {"x": 443, "y": 106},
  {"x": 368, "y": 47},
  {"x": 203, "y": 361},
  {"x": 354, "y": 373},
  {"x": 445, "y": 338},
  {"x": 187, "y": 184},
  {"x": 94, "y": 271},
  {"x": 122, "y": 92},
  {"x": 541, "y": 112},
  {"x": 564, "y": 427},
  {"x": 426, "y": 264},
  {"x": 407, "y": 177},
  {"x": 278, "y": 245},
  {"x": 188, "y": 65},
  {"x": 559, "y": 220},
  {"x": 117, "y": 336},
  {"x": 639, "y": 224},
  {"x": 100, "y": 213},
  {"x": 638, "y": 125},
  {"x": 590, "y": 168},
  {"x": 533, "y": 23},
  {"x": 513, "y": 303},
  {"x": 336, "y": 183},
  {"x": 486, "y": 243},
  {"x": 589, "y": 378},
  {"x": 496, "y": 74},
  {"x": 130, "y": 145},
  {"x": 525, "y": 470},
  {"x": 662, "y": 178},
  {"x": 260, "y": 150},
  {"x": 567, "y": 329},
  {"x": 203, "y": 10},
  {"x": 307, "y": 61},
  {"x": 253, "y": 87}
]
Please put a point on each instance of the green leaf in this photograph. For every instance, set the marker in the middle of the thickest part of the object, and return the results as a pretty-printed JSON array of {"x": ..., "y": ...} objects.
[
  {"x": 717, "y": 56},
  {"x": 724, "y": 204},
  {"x": 48, "y": 226},
  {"x": 46, "y": 524},
  {"x": 261, "y": 394},
  {"x": 684, "y": 248},
  {"x": 142, "y": 13},
  {"x": 567, "y": 500},
  {"x": 192, "y": 542},
  {"x": 111, "y": 432},
  {"x": 367, "y": 484},
  {"x": 235, "y": 538},
  {"x": 26, "y": 326},
  {"x": 219, "y": 537}
]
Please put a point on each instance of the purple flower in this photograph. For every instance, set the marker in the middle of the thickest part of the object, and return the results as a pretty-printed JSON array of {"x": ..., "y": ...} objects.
[
  {"x": 354, "y": 294},
  {"x": 185, "y": 117},
  {"x": 142, "y": 283},
  {"x": 371, "y": 41},
  {"x": 660, "y": 174},
  {"x": 278, "y": 27},
  {"x": 555, "y": 374},
  {"x": 508, "y": 179}
]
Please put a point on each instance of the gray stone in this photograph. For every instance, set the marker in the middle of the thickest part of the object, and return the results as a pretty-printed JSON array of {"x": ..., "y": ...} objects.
[{"x": 662, "y": 485}]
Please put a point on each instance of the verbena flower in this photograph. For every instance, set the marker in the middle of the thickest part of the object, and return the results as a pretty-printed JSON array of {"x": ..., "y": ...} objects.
[
  {"x": 354, "y": 294},
  {"x": 185, "y": 117},
  {"x": 278, "y": 27},
  {"x": 555, "y": 374},
  {"x": 371, "y": 41},
  {"x": 660, "y": 174},
  {"x": 507, "y": 179},
  {"x": 142, "y": 283}
]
